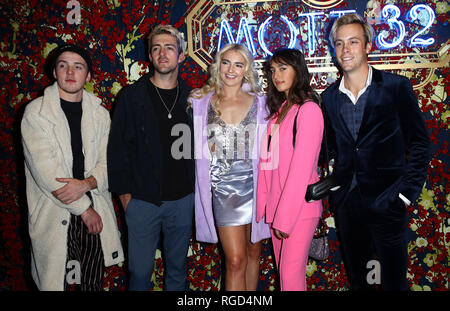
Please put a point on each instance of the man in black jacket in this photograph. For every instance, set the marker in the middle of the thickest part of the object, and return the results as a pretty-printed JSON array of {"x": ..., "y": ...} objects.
[
  {"x": 150, "y": 163},
  {"x": 375, "y": 126}
]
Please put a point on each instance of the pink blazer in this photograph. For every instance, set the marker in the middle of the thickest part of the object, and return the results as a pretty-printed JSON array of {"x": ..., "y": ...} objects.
[{"x": 285, "y": 172}]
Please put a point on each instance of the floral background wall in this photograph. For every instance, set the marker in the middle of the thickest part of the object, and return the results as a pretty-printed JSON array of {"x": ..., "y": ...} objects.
[{"x": 114, "y": 32}]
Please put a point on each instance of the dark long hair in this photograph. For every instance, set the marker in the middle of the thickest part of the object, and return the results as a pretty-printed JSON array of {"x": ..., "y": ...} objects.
[{"x": 301, "y": 89}]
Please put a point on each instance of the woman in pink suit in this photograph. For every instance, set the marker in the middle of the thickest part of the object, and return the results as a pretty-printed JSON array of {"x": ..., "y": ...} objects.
[{"x": 285, "y": 171}]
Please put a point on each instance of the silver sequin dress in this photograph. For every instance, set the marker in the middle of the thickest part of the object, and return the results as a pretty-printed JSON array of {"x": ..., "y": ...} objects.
[{"x": 231, "y": 168}]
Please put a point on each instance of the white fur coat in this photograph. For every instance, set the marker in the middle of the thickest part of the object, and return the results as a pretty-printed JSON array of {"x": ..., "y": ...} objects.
[{"x": 48, "y": 155}]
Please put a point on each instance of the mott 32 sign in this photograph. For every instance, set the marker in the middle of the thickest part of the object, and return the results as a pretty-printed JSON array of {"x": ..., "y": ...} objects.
[{"x": 406, "y": 32}]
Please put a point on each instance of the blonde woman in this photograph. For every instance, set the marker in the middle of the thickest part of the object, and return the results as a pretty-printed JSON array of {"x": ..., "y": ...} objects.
[{"x": 229, "y": 116}]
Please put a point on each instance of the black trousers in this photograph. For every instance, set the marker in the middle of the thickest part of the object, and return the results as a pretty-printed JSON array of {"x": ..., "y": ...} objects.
[
  {"x": 85, "y": 264},
  {"x": 364, "y": 239}
]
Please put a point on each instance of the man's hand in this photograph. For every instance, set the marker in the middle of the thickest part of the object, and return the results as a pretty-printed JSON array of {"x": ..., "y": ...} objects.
[
  {"x": 92, "y": 220},
  {"x": 73, "y": 190},
  {"x": 125, "y": 199},
  {"x": 280, "y": 234}
]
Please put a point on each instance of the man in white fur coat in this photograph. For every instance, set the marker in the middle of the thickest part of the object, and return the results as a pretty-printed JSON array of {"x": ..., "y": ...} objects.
[{"x": 72, "y": 223}]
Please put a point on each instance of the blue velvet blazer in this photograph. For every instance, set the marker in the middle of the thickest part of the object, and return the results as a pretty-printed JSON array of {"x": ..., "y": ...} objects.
[{"x": 391, "y": 152}]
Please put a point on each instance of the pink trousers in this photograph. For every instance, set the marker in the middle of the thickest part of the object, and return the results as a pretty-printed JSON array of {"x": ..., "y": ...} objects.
[{"x": 291, "y": 255}]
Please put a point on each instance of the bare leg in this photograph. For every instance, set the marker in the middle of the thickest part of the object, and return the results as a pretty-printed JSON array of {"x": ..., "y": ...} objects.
[
  {"x": 234, "y": 244},
  {"x": 253, "y": 259}
]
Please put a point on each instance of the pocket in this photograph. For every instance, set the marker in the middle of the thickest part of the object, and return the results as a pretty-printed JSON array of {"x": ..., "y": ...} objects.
[
  {"x": 35, "y": 209},
  {"x": 127, "y": 210},
  {"x": 184, "y": 211},
  {"x": 398, "y": 207}
]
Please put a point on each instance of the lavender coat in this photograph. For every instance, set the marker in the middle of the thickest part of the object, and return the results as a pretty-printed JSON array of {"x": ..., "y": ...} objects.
[{"x": 204, "y": 220}]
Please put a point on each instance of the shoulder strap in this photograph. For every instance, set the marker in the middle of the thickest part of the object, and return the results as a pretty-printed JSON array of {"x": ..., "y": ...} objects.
[
  {"x": 294, "y": 129},
  {"x": 294, "y": 134}
]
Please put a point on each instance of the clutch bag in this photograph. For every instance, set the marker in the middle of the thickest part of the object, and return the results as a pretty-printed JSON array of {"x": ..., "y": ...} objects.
[{"x": 321, "y": 189}]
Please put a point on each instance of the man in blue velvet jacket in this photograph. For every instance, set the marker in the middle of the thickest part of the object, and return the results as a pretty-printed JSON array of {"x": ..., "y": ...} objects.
[{"x": 381, "y": 147}]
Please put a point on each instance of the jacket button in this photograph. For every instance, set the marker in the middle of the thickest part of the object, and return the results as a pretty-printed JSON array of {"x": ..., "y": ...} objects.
[{"x": 64, "y": 222}]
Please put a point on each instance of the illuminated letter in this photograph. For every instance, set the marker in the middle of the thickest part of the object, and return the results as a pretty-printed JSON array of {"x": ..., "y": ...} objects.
[
  {"x": 393, "y": 22},
  {"x": 293, "y": 32},
  {"x": 248, "y": 36},
  {"x": 311, "y": 30},
  {"x": 242, "y": 25},
  {"x": 413, "y": 15},
  {"x": 342, "y": 13},
  {"x": 224, "y": 25},
  {"x": 262, "y": 30}
]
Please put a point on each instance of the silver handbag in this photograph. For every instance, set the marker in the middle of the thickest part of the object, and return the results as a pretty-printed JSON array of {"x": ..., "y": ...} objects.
[{"x": 319, "y": 249}]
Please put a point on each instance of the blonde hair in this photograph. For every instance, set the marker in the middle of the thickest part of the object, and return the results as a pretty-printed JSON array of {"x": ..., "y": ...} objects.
[
  {"x": 214, "y": 82},
  {"x": 351, "y": 19},
  {"x": 168, "y": 30}
]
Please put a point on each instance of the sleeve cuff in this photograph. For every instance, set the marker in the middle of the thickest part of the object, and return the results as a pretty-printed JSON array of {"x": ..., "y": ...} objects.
[
  {"x": 81, "y": 206},
  {"x": 404, "y": 199}
]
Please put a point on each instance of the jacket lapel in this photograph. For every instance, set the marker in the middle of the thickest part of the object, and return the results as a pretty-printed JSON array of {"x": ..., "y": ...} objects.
[
  {"x": 374, "y": 94},
  {"x": 52, "y": 111},
  {"x": 88, "y": 128}
]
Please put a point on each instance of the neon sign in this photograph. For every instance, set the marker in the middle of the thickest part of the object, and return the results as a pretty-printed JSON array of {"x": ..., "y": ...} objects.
[
  {"x": 394, "y": 23},
  {"x": 419, "y": 14},
  {"x": 413, "y": 15},
  {"x": 311, "y": 30},
  {"x": 243, "y": 25},
  {"x": 262, "y": 30}
]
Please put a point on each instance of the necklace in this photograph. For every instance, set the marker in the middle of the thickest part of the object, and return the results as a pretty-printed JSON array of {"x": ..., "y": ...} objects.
[{"x": 169, "y": 115}]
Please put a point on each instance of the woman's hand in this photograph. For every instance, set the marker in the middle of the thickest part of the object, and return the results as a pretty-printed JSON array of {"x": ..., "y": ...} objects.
[{"x": 280, "y": 234}]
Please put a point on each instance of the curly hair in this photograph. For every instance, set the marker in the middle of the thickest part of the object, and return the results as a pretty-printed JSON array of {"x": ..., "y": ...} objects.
[{"x": 214, "y": 82}]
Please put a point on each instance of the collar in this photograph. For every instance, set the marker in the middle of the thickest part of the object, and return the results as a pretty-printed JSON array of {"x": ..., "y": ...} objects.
[
  {"x": 51, "y": 104},
  {"x": 350, "y": 95}
]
